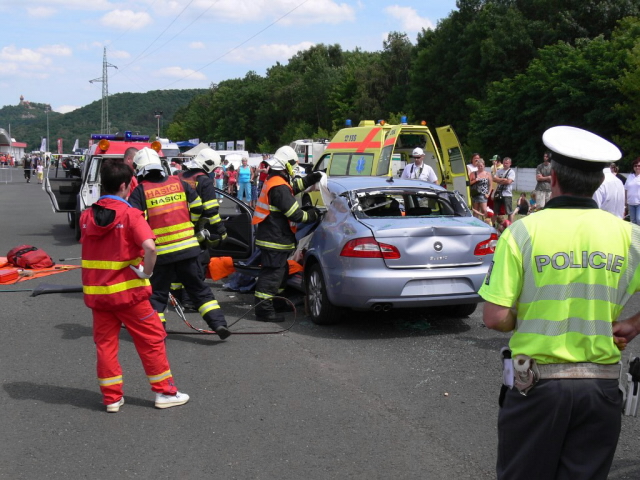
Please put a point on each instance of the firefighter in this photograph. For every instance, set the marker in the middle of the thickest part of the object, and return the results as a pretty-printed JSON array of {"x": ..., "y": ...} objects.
[
  {"x": 213, "y": 232},
  {"x": 276, "y": 214},
  {"x": 172, "y": 207}
]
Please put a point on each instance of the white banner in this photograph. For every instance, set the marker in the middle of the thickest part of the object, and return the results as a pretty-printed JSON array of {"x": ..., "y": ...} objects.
[
  {"x": 76, "y": 146},
  {"x": 43, "y": 145}
]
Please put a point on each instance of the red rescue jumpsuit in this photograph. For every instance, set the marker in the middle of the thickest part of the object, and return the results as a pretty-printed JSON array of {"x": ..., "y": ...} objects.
[{"x": 112, "y": 235}]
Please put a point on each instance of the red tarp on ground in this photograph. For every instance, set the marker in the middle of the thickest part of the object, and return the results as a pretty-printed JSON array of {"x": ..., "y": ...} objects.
[{"x": 10, "y": 275}]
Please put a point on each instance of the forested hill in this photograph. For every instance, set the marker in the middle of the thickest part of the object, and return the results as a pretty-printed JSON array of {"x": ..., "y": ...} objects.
[{"x": 127, "y": 111}]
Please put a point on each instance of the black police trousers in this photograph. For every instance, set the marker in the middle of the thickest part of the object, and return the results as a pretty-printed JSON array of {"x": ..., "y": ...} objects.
[
  {"x": 564, "y": 429},
  {"x": 189, "y": 273}
]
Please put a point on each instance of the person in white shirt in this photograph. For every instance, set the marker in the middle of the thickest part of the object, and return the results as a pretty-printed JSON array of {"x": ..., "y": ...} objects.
[
  {"x": 632, "y": 192},
  {"x": 418, "y": 170},
  {"x": 473, "y": 166},
  {"x": 610, "y": 194}
]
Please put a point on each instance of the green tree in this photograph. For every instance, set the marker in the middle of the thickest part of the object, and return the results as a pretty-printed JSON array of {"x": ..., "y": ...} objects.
[{"x": 566, "y": 85}]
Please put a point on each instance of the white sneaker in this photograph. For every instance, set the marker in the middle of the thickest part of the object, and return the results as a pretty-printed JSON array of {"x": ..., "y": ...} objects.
[
  {"x": 166, "y": 401},
  {"x": 115, "y": 407}
]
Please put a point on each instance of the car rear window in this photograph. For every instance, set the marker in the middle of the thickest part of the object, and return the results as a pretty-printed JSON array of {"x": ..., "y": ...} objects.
[{"x": 408, "y": 204}]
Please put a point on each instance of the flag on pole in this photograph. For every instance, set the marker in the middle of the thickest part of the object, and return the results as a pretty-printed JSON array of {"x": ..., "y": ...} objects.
[
  {"x": 60, "y": 146},
  {"x": 76, "y": 146},
  {"x": 43, "y": 145}
]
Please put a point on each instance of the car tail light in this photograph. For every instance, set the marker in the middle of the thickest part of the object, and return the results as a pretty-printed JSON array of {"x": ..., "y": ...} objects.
[
  {"x": 487, "y": 247},
  {"x": 367, "y": 247}
]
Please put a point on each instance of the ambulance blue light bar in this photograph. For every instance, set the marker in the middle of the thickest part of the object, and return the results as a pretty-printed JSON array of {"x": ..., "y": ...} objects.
[
  {"x": 403, "y": 119},
  {"x": 128, "y": 137}
]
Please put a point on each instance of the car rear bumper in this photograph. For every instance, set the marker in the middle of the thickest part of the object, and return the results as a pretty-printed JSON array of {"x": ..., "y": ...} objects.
[{"x": 364, "y": 289}]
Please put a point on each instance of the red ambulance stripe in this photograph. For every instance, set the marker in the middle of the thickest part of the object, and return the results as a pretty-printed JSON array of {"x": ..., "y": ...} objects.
[{"x": 362, "y": 146}]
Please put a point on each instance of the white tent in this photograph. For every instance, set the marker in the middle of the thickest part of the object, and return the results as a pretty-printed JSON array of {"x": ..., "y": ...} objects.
[{"x": 195, "y": 150}]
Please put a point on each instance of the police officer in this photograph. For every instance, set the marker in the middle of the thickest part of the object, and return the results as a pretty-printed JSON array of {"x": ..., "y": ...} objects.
[
  {"x": 276, "y": 214},
  {"x": 172, "y": 207},
  {"x": 559, "y": 280}
]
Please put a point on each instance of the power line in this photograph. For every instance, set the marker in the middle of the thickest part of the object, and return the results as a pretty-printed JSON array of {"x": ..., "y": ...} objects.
[{"x": 239, "y": 45}]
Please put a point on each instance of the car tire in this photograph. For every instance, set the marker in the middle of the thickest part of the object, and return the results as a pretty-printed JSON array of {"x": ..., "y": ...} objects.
[
  {"x": 321, "y": 310},
  {"x": 306, "y": 201},
  {"x": 71, "y": 219},
  {"x": 463, "y": 310}
]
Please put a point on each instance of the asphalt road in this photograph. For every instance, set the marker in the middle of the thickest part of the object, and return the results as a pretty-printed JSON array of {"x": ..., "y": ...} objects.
[{"x": 403, "y": 395}]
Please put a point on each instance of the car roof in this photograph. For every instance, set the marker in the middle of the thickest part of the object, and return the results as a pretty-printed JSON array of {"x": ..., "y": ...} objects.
[{"x": 340, "y": 184}]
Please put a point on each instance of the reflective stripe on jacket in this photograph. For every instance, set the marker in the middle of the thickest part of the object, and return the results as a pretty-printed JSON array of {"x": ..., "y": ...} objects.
[
  {"x": 263, "y": 208},
  {"x": 168, "y": 215}
]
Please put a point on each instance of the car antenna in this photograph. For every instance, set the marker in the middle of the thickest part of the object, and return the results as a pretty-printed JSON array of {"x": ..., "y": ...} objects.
[{"x": 390, "y": 179}]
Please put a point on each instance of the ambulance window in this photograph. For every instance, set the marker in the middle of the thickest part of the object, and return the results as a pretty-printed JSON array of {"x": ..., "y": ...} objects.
[
  {"x": 384, "y": 161},
  {"x": 339, "y": 164},
  {"x": 360, "y": 164},
  {"x": 321, "y": 166},
  {"x": 456, "y": 160}
]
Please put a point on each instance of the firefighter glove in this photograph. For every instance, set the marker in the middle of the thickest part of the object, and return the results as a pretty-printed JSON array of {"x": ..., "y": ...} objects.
[
  {"x": 216, "y": 241},
  {"x": 140, "y": 271},
  {"x": 313, "y": 214},
  {"x": 315, "y": 177}
]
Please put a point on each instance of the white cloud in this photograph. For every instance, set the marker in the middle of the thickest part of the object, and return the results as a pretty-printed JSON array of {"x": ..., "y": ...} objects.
[
  {"x": 243, "y": 11},
  {"x": 409, "y": 19},
  {"x": 68, "y": 4},
  {"x": 273, "y": 52},
  {"x": 117, "y": 53},
  {"x": 40, "y": 12},
  {"x": 126, "y": 20},
  {"x": 58, "y": 50},
  {"x": 179, "y": 72},
  {"x": 21, "y": 55},
  {"x": 196, "y": 45},
  {"x": 66, "y": 108}
]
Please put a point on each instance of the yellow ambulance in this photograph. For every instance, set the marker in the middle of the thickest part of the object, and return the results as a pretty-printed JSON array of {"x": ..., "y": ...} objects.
[{"x": 378, "y": 149}]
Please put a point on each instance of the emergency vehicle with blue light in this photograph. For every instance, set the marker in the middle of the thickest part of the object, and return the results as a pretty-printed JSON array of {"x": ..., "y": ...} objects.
[{"x": 72, "y": 191}]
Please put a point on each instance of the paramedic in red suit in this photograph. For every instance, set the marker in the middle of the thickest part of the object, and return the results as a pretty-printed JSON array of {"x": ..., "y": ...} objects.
[{"x": 118, "y": 256}]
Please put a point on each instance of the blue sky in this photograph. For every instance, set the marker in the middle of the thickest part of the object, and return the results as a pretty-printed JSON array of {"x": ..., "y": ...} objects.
[{"x": 51, "y": 49}]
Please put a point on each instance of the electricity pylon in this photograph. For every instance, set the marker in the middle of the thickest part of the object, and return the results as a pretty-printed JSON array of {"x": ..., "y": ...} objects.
[{"x": 104, "y": 121}]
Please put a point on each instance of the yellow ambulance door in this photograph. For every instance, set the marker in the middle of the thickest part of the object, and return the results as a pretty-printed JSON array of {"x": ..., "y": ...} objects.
[
  {"x": 456, "y": 174},
  {"x": 402, "y": 140}
]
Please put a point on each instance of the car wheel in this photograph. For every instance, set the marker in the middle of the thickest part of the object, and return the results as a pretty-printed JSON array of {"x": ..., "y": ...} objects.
[
  {"x": 71, "y": 219},
  {"x": 463, "y": 310},
  {"x": 306, "y": 201},
  {"x": 321, "y": 310}
]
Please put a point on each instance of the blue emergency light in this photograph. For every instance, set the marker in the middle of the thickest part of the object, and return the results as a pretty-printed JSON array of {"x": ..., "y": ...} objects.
[
  {"x": 403, "y": 119},
  {"x": 347, "y": 122},
  {"x": 127, "y": 137}
]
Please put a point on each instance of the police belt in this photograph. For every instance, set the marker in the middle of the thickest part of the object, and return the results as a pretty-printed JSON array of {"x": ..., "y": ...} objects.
[{"x": 578, "y": 370}]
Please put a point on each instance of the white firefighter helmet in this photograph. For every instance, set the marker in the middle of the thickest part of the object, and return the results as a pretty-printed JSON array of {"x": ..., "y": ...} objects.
[
  {"x": 207, "y": 159},
  {"x": 145, "y": 160},
  {"x": 284, "y": 159}
]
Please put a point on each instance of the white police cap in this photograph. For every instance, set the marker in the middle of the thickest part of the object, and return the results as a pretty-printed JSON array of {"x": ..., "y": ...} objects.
[{"x": 581, "y": 149}]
